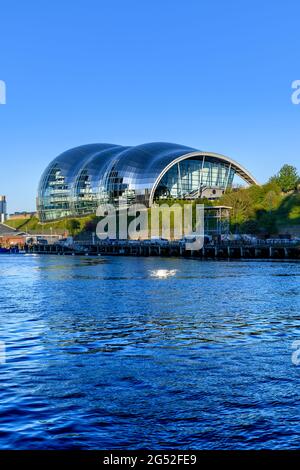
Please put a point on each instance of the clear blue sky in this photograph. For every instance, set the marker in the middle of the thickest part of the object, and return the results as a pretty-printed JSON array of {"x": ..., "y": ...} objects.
[{"x": 215, "y": 75}]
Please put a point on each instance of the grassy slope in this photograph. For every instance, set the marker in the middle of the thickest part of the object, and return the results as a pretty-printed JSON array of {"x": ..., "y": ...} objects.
[
  {"x": 15, "y": 223},
  {"x": 33, "y": 225}
]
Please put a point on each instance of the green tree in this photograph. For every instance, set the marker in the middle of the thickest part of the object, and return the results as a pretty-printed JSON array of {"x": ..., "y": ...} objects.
[
  {"x": 242, "y": 205},
  {"x": 287, "y": 178},
  {"x": 72, "y": 226},
  {"x": 271, "y": 201}
]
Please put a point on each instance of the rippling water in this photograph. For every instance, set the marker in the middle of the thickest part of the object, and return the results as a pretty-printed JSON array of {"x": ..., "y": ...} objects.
[{"x": 130, "y": 353}]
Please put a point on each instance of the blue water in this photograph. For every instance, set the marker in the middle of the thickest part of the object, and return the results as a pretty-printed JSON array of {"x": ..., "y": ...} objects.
[{"x": 130, "y": 353}]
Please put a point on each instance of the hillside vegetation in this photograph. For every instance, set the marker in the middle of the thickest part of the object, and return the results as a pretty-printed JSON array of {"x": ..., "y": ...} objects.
[
  {"x": 268, "y": 209},
  {"x": 263, "y": 209}
]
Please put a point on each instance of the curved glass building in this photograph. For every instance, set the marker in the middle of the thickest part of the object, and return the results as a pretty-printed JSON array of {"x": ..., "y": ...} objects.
[{"x": 76, "y": 182}]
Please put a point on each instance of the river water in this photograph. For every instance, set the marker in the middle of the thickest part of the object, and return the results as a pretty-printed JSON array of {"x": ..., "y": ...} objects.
[{"x": 152, "y": 353}]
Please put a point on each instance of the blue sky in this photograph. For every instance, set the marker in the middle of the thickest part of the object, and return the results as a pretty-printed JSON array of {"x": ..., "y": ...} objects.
[{"x": 213, "y": 75}]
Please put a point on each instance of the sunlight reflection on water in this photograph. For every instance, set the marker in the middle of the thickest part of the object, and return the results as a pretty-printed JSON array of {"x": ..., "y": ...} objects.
[{"x": 163, "y": 273}]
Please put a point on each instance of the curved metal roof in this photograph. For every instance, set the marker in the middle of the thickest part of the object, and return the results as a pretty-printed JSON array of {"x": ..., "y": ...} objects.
[
  {"x": 71, "y": 161},
  {"x": 153, "y": 158}
]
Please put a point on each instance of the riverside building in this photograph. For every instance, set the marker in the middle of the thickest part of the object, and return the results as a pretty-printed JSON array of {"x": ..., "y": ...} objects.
[{"x": 79, "y": 180}]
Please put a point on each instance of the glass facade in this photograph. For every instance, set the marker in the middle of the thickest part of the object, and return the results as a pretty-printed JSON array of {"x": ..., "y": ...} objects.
[
  {"x": 195, "y": 177},
  {"x": 79, "y": 180}
]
